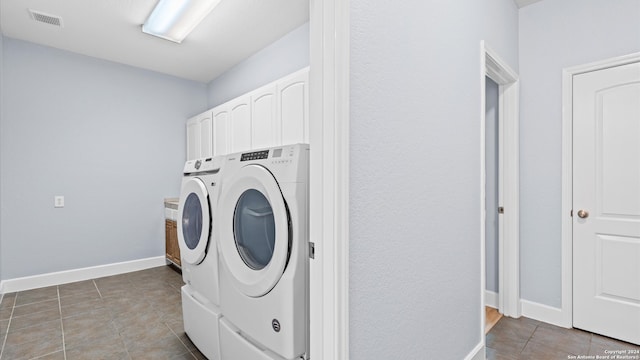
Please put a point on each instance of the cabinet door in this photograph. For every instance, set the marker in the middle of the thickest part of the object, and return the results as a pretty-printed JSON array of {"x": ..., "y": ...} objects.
[
  {"x": 220, "y": 130},
  {"x": 263, "y": 118},
  {"x": 206, "y": 134},
  {"x": 293, "y": 108},
  {"x": 240, "y": 125},
  {"x": 171, "y": 242},
  {"x": 193, "y": 139}
]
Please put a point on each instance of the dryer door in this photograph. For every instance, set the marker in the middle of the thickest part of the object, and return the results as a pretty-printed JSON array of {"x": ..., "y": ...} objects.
[
  {"x": 254, "y": 230},
  {"x": 194, "y": 221}
]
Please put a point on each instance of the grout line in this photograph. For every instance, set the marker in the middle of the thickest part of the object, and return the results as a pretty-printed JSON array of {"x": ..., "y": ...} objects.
[
  {"x": 6, "y": 335},
  {"x": 179, "y": 339},
  {"x": 42, "y": 356},
  {"x": 96, "y": 285},
  {"x": 64, "y": 349}
]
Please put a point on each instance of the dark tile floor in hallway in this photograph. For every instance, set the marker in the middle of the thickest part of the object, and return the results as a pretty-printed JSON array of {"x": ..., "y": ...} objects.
[
  {"x": 131, "y": 316},
  {"x": 527, "y": 339}
]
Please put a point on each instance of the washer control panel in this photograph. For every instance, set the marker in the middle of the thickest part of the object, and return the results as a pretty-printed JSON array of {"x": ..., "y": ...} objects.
[{"x": 256, "y": 155}]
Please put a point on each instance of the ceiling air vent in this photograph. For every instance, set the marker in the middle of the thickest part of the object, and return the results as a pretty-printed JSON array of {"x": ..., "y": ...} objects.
[{"x": 46, "y": 18}]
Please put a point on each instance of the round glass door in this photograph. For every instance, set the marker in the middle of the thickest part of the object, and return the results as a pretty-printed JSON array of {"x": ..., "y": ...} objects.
[
  {"x": 254, "y": 229},
  {"x": 194, "y": 221}
]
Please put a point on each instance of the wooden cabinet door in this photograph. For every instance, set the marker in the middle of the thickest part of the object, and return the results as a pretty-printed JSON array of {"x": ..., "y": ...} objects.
[{"x": 171, "y": 242}]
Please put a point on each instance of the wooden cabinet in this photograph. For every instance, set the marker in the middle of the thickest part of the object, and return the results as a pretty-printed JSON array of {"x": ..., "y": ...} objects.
[{"x": 171, "y": 241}]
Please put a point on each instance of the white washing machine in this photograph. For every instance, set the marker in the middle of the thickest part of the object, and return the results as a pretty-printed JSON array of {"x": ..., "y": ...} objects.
[
  {"x": 264, "y": 254},
  {"x": 199, "y": 253}
]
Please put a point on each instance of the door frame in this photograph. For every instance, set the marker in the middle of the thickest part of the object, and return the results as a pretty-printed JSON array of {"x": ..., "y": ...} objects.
[
  {"x": 329, "y": 179},
  {"x": 566, "y": 310},
  {"x": 509, "y": 183}
]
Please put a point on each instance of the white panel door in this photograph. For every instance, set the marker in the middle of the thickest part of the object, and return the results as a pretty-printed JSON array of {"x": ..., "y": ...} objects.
[
  {"x": 220, "y": 131},
  {"x": 240, "y": 125},
  {"x": 263, "y": 118},
  {"x": 606, "y": 202},
  {"x": 193, "y": 139},
  {"x": 294, "y": 109},
  {"x": 206, "y": 134}
]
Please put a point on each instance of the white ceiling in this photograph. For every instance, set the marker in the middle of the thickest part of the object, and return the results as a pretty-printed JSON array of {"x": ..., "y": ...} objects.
[
  {"x": 111, "y": 30},
  {"x": 522, "y": 3}
]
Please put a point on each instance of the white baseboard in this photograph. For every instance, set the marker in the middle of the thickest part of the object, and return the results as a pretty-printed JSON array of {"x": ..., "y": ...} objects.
[
  {"x": 544, "y": 313},
  {"x": 491, "y": 299},
  {"x": 63, "y": 277},
  {"x": 477, "y": 353}
]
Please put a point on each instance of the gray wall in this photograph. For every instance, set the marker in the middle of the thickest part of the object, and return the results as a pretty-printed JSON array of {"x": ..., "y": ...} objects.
[
  {"x": 491, "y": 165},
  {"x": 1, "y": 112},
  {"x": 283, "y": 57},
  {"x": 415, "y": 251},
  {"x": 554, "y": 35},
  {"x": 109, "y": 137}
]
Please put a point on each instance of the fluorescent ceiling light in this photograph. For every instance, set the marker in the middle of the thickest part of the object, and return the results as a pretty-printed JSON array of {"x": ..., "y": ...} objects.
[{"x": 175, "y": 19}]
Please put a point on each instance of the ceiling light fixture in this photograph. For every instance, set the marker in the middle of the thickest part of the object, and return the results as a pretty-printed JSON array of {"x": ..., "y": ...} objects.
[{"x": 174, "y": 19}]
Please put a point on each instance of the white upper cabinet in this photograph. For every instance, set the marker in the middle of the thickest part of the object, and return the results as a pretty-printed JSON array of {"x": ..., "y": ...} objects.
[
  {"x": 275, "y": 114},
  {"x": 239, "y": 125},
  {"x": 193, "y": 139},
  {"x": 293, "y": 95},
  {"x": 263, "y": 130},
  {"x": 206, "y": 134},
  {"x": 199, "y": 136},
  {"x": 220, "y": 132}
]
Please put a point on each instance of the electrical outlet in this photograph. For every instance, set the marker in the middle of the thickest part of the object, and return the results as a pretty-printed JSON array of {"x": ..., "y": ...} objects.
[{"x": 58, "y": 201}]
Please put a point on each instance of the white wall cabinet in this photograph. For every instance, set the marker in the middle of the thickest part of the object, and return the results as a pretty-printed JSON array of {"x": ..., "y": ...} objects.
[
  {"x": 293, "y": 109},
  {"x": 272, "y": 115},
  {"x": 200, "y": 136},
  {"x": 239, "y": 125}
]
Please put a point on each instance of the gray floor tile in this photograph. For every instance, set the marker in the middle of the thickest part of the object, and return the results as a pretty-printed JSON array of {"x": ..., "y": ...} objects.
[
  {"x": 36, "y": 295},
  {"x": 8, "y": 301},
  {"x": 23, "y": 321},
  {"x": 128, "y": 316},
  {"x": 32, "y": 349},
  {"x": 101, "y": 349},
  {"x": 58, "y": 355},
  {"x": 569, "y": 341},
  {"x": 45, "y": 331},
  {"x": 77, "y": 288},
  {"x": 32, "y": 308}
]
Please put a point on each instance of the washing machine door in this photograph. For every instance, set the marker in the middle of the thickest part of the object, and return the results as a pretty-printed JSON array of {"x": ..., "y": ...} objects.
[
  {"x": 254, "y": 230},
  {"x": 194, "y": 221}
]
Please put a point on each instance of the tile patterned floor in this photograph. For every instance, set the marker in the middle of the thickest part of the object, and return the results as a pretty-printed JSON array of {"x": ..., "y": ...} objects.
[
  {"x": 130, "y": 316},
  {"x": 138, "y": 316},
  {"x": 526, "y": 339}
]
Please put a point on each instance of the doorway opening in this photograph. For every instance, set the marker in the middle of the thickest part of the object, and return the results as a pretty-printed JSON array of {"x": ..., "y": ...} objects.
[{"x": 500, "y": 187}]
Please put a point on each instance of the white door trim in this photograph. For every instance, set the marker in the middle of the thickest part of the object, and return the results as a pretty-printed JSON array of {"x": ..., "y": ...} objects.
[
  {"x": 509, "y": 143},
  {"x": 567, "y": 174},
  {"x": 329, "y": 178}
]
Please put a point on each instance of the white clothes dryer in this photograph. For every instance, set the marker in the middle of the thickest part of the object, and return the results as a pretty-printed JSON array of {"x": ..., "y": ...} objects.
[
  {"x": 264, "y": 254},
  {"x": 199, "y": 253}
]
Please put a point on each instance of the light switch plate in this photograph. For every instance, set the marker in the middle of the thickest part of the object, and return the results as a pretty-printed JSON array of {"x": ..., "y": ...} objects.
[{"x": 58, "y": 201}]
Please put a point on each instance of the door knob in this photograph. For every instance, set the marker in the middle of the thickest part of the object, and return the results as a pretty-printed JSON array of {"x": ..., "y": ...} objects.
[{"x": 583, "y": 214}]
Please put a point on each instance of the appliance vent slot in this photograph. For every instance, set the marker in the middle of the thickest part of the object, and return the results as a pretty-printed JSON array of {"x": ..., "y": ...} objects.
[{"x": 46, "y": 18}]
